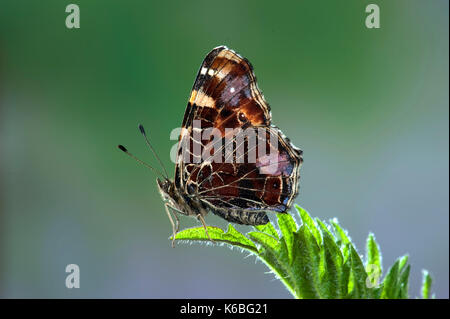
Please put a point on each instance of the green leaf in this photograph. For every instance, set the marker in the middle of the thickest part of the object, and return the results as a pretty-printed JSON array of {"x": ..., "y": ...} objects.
[
  {"x": 340, "y": 233},
  {"x": 404, "y": 282},
  {"x": 395, "y": 285},
  {"x": 343, "y": 240},
  {"x": 306, "y": 261},
  {"x": 426, "y": 284},
  {"x": 331, "y": 262},
  {"x": 313, "y": 261},
  {"x": 358, "y": 277},
  {"x": 391, "y": 287},
  {"x": 287, "y": 227},
  {"x": 231, "y": 237},
  {"x": 345, "y": 278},
  {"x": 373, "y": 266},
  {"x": 263, "y": 239},
  {"x": 373, "y": 255},
  {"x": 402, "y": 262},
  {"x": 309, "y": 222},
  {"x": 324, "y": 229},
  {"x": 275, "y": 256},
  {"x": 269, "y": 230}
]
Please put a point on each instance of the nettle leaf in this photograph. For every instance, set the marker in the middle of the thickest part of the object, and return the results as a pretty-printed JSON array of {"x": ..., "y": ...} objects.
[
  {"x": 331, "y": 271},
  {"x": 403, "y": 262},
  {"x": 358, "y": 277},
  {"x": 265, "y": 240},
  {"x": 325, "y": 229},
  {"x": 275, "y": 256},
  {"x": 426, "y": 284},
  {"x": 404, "y": 282},
  {"x": 309, "y": 222},
  {"x": 373, "y": 266},
  {"x": 287, "y": 227},
  {"x": 317, "y": 260},
  {"x": 345, "y": 278},
  {"x": 231, "y": 237},
  {"x": 306, "y": 259},
  {"x": 390, "y": 282},
  {"x": 268, "y": 229},
  {"x": 373, "y": 255},
  {"x": 395, "y": 285},
  {"x": 342, "y": 238}
]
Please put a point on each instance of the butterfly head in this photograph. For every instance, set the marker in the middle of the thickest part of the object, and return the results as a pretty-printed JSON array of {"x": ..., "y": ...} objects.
[{"x": 167, "y": 190}]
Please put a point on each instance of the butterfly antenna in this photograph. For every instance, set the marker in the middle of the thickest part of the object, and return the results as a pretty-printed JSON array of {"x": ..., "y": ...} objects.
[
  {"x": 123, "y": 149},
  {"x": 141, "y": 128}
]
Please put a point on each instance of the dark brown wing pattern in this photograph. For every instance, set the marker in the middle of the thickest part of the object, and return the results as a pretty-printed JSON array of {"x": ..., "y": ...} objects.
[
  {"x": 269, "y": 184},
  {"x": 225, "y": 93},
  {"x": 243, "y": 184}
]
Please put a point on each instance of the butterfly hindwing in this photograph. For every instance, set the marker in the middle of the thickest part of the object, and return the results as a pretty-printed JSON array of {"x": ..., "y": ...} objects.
[{"x": 269, "y": 183}]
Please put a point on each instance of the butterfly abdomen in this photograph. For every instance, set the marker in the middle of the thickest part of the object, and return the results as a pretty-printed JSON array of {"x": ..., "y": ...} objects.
[{"x": 242, "y": 217}]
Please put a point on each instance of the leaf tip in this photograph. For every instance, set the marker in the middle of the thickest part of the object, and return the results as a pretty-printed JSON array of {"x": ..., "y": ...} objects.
[{"x": 426, "y": 284}]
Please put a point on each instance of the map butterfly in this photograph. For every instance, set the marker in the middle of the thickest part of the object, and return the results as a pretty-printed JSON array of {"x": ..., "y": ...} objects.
[{"x": 233, "y": 185}]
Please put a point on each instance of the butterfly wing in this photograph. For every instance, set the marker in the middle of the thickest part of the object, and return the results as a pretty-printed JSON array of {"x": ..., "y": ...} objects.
[
  {"x": 225, "y": 93},
  {"x": 225, "y": 96},
  {"x": 237, "y": 189}
]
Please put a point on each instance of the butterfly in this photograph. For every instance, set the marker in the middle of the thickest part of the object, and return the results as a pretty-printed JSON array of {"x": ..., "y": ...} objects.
[{"x": 227, "y": 173}]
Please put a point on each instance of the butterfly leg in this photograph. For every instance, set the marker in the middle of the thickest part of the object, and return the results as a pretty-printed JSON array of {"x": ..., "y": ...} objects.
[
  {"x": 175, "y": 210},
  {"x": 200, "y": 218},
  {"x": 174, "y": 229},
  {"x": 177, "y": 221}
]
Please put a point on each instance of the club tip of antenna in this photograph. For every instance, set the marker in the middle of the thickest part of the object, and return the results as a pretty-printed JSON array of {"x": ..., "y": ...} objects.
[
  {"x": 122, "y": 148},
  {"x": 141, "y": 128}
]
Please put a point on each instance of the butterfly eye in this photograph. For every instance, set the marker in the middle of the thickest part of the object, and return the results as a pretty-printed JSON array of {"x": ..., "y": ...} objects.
[
  {"x": 242, "y": 117},
  {"x": 191, "y": 189}
]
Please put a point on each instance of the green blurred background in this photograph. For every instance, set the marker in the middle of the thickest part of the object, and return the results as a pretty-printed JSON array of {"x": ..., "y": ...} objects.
[{"x": 369, "y": 107}]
